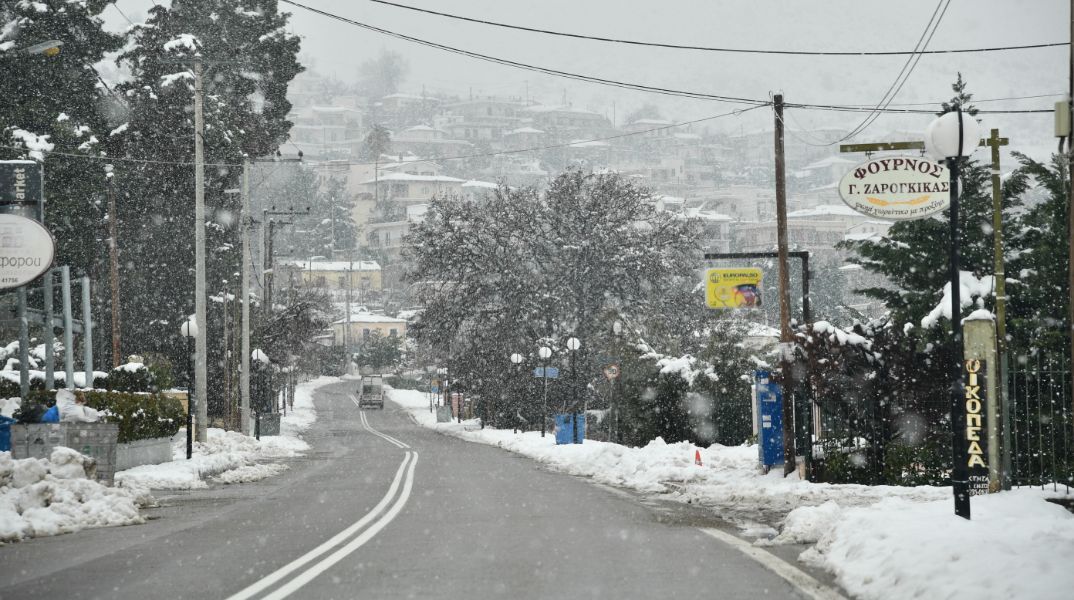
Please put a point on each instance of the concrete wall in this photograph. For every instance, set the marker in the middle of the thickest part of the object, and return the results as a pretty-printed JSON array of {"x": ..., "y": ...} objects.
[{"x": 143, "y": 452}]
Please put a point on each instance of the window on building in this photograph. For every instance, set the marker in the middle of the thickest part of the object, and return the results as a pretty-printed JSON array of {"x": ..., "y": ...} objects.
[
  {"x": 341, "y": 282},
  {"x": 320, "y": 281},
  {"x": 393, "y": 332},
  {"x": 365, "y": 333}
]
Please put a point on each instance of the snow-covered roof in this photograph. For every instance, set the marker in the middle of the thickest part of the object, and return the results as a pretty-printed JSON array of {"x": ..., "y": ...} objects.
[
  {"x": 589, "y": 144},
  {"x": 332, "y": 265},
  {"x": 415, "y": 178},
  {"x": 651, "y": 122},
  {"x": 421, "y": 128},
  {"x": 825, "y": 210},
  {"x": 542, "y": 108},
  {"x": 473, "y": 183},
  {"x": 522, "y": 130},
  {"x": 828, "y": 162},
  {"x": 365, "y": 317}
]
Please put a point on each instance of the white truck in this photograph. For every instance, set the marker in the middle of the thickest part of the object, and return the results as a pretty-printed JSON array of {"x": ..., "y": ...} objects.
[{"x": 371, "y": 392}]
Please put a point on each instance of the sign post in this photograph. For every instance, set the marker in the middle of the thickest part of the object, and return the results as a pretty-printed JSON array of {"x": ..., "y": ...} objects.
[
  {"x": 899, "y": 188},
  {"x": 26, "y": 250}
]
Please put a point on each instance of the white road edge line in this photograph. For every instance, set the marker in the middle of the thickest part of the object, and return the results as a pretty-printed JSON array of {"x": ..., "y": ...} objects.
[
  {"x": 798, "y": 578},
  {"x": 334, "y": 541},
  {"x": 322, "y": 566},
  {"x": 369, "y": 428}
]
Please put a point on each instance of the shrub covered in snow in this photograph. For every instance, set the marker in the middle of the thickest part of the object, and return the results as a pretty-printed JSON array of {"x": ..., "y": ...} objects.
[{"x": 140, "y": 416}]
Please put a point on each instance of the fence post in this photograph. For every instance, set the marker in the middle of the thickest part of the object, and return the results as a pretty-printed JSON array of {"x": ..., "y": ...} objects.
[{"x": 979, "y": 339}]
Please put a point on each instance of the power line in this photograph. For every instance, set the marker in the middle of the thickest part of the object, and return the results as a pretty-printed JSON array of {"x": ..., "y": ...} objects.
[
  {"x": 529, "y": 67},
  {"x": 904, "y": 73},
  {"x": 709, "y": 48},
  {"x": 610, "y": 82}
]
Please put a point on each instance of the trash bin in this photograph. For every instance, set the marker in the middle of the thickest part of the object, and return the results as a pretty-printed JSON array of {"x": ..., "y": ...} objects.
[
  {"x": 565, "y": 427},
  {"x": 5, "y": 433}
]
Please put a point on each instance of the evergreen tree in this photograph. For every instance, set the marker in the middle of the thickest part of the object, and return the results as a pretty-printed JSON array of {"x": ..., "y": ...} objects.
[
  {"x": 58, "y": 102},
  {"x": 1037, "y": 267},
  {"x": 913, "y": 255},
  {"x": 248, "y": 60}
]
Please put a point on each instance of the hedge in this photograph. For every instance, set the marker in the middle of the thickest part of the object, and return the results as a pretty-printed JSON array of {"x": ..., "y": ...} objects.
[{"x": 140, "y": 416}]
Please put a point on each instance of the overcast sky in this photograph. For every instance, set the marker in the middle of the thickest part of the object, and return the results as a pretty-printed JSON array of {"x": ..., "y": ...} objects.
[{"x": 334, "y": 48}]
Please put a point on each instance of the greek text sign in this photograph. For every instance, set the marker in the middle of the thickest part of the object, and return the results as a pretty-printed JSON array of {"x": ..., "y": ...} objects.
[
  {"x": 900, "y": 188},
  {"x": 733, "y": 288},
  {"x": 26, "y": 250},
  {"x": 976, "y": 438}
]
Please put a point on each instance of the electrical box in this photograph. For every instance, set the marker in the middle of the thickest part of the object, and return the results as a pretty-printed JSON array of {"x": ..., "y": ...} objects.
[{"x": 1062, "y": 118}]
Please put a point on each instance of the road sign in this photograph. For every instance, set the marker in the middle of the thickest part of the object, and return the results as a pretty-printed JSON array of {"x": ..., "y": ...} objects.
[
  {"x": 733, "y": 288},
  {"x": 899, "y": 188},
  {"x": 26, "y": 250},
  {"x": 550, "y": 372},
  {"x": 611, "y": 371}
]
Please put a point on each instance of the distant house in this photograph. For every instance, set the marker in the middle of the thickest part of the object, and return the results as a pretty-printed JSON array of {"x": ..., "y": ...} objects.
[
  {"x": 337, "y": 277},
  {"x": 363, "y": 325}
]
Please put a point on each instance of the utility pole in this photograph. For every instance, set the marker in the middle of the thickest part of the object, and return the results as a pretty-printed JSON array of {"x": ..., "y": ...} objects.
[
  {"x": 113, "y": 251},
  {"x": 200, "y": 363},
  {"x": 786, "y": 337},
  {"x": 244, "y": 374},
  {"x": 994, "y": 142},
  {"x": 1070, "y": 209}
]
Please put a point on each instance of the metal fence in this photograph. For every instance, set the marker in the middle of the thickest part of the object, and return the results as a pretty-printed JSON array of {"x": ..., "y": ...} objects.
[{"x": 1041, "y": 424}]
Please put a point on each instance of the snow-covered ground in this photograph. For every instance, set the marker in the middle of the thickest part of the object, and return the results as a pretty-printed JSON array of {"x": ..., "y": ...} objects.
[
  {"x": 229, "y": 456},
  {"x": 881, "y": 542},
  {"x": 40, "y": 497}
]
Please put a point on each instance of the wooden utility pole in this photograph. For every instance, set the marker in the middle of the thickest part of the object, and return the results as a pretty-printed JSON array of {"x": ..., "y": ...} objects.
[
  {"x": 786, "y": 336},
  {"x": 113, "y": 251},
  {"x": 999, "y": 268}
]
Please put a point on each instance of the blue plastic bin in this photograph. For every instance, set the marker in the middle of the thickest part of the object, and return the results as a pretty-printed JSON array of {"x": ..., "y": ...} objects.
[
  {"x": 565, "y": 431},
  {"x": 5, "y": 434}
]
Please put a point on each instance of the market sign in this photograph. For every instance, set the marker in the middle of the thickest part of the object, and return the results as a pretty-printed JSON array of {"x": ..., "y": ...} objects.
[
  {"x": 900, "y": 188},
  {"x": 26, "y": 250},
  {"x": 733, "y": 288},
  {"x": 20, "y": 182}
]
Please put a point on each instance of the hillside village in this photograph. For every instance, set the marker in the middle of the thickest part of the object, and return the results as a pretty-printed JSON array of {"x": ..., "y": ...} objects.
[{"x": 434, "y": 145}]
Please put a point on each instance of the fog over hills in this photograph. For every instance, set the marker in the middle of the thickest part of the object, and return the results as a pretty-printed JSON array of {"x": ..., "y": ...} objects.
[{"x": 335, "y": 48}]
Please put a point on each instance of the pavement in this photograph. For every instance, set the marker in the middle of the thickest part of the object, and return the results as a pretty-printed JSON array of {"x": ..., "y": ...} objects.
[{"x": 382, "y": 508}]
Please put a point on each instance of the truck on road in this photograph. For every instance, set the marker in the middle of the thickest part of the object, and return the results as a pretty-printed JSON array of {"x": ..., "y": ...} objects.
[{"x": 371, "y": 392}]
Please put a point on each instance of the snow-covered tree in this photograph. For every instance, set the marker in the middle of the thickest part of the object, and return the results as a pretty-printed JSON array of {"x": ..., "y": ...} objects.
[
  {"x": 519, "y": 268},
  {"x": 58, "y": 102},
  {"x": 248, "y": 59}
]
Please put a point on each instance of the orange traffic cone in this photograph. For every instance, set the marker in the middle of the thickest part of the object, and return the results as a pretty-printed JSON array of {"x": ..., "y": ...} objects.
[{"x": 697, "y": 457}]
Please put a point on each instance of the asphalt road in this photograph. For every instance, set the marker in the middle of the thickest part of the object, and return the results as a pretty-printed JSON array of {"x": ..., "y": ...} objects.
[{"x": 381, "y": 508}]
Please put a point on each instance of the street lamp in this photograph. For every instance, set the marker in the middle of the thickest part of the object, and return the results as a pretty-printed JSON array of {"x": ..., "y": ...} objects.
[
  {"x": 189, "y": 330},
  {"x": 516, "y": 359},
  {"x": 951, "y": 137},
  {"x": 573, "y": 345},
  {"x": 545, "y": 353}
]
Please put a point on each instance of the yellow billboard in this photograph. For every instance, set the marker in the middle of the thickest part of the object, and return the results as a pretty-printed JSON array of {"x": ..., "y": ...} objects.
[{"x": 733, "y": 288}]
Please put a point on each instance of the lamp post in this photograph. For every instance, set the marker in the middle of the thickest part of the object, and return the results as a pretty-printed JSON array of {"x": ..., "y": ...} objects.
[
  {"x": 189, "y": 330},
  {"x": 617, "y": 329},
  {"x": 951, "y": 137},
  {"x": 573, "y": 345},
  {"x": 545, "y": 353},
  {"x": 516, "y": 359}
]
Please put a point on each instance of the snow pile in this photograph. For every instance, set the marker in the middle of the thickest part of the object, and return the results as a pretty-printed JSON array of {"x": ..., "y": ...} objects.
[
  {"x": 41, "y": 497},
  {"x": 1017, "y": 546},
  {"x": 970, "y": 287},
  {"x": 229, "y": 456},
  {"x": 729, "y": 481}
]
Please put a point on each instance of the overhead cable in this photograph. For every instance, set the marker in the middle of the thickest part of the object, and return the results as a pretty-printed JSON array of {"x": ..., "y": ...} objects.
[{"x": 711, "y": 48}]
